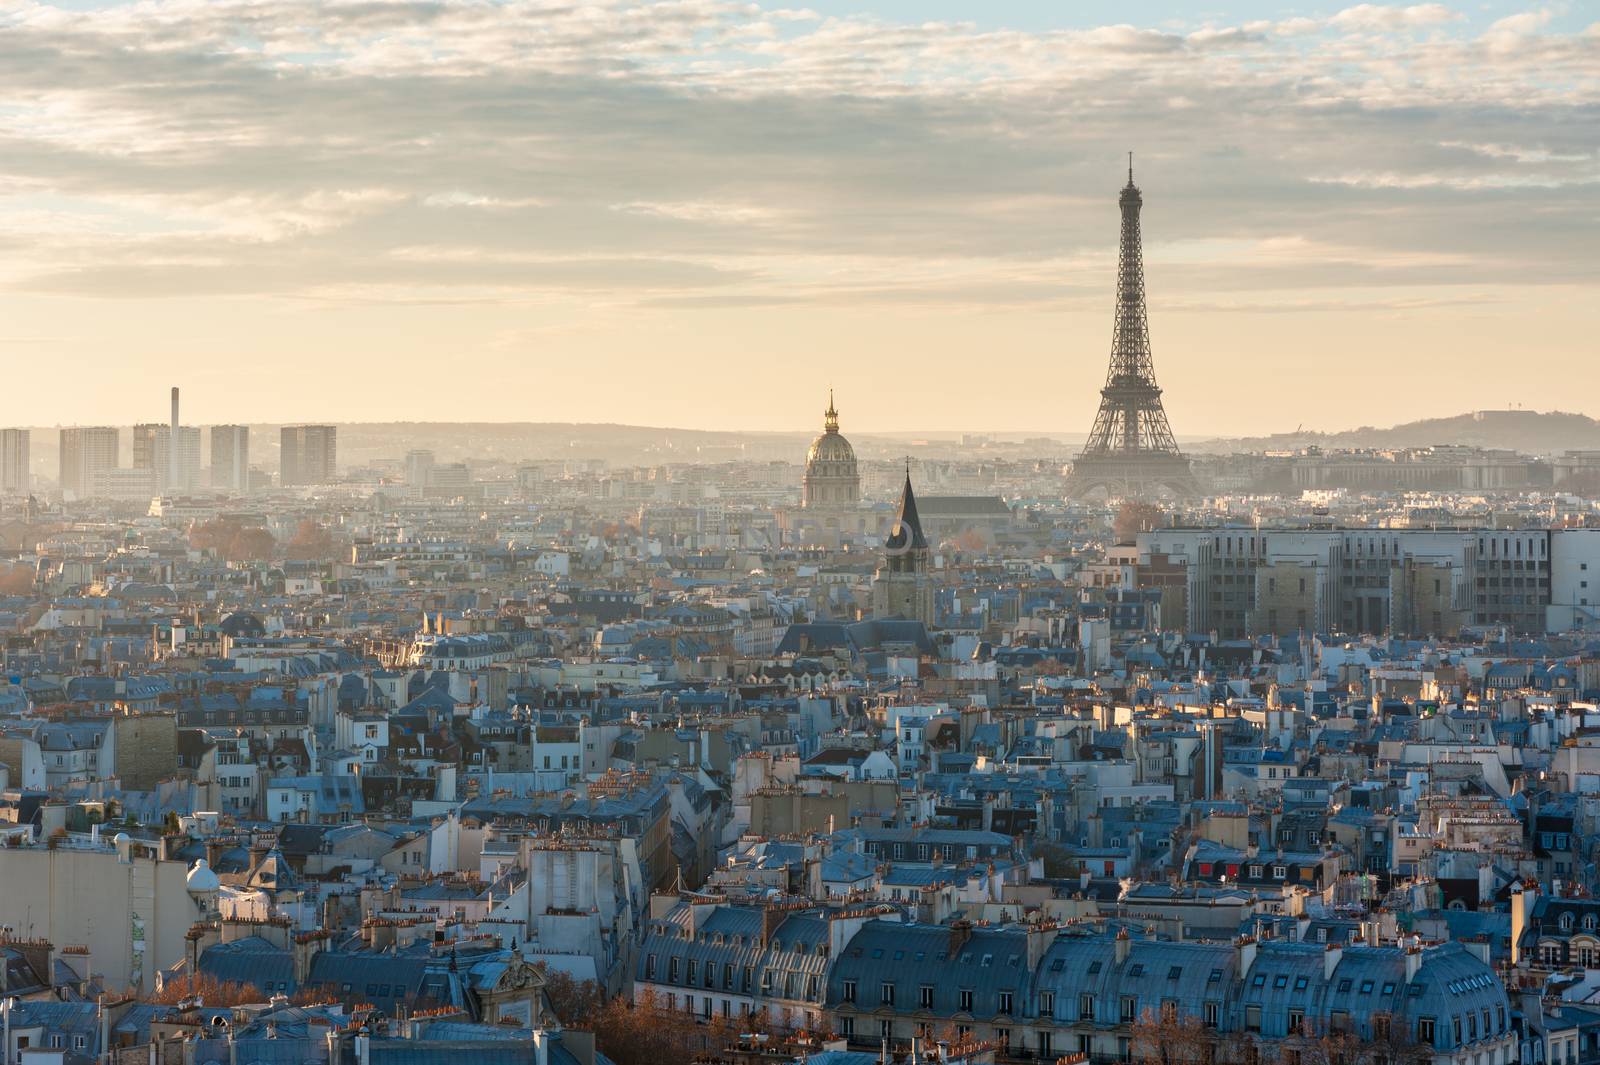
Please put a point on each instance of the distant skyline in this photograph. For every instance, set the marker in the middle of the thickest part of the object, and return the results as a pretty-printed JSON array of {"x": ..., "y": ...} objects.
[{"x": 703, "y": 214}]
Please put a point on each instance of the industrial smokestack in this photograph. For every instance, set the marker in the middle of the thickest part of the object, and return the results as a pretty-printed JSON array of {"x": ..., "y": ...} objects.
[{"x": 172, "y": 446}]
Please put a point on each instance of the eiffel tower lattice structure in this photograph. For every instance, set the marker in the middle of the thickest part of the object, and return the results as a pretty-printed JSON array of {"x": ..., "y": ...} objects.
[{"x": 1131, "y": 451}]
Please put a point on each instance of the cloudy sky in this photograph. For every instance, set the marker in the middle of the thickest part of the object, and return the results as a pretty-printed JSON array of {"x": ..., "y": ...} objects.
[{"x": 704, "y": 213}]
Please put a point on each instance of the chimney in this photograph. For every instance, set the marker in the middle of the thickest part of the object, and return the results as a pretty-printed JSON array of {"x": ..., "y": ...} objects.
[
  {"x": 771, "y": 918},
  {"x": 1330, "y": 960},
  {"x": 960, "y": 932},
  {"x": 1522, "y": 901},
  {"x": 172, "y": 445},
  {"x": 1413, "y": 959},
  {"x": 1122, "y": 946},
  {"x": 1247, "y": 955},
  {"x": 1040, "y": 936}
]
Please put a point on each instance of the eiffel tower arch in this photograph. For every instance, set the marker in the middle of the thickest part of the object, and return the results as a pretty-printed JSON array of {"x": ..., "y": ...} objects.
[{"x": 1131, "y": 451}]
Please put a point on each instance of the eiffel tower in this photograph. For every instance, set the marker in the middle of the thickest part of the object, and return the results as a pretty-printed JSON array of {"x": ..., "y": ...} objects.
[{"x": 1131, "y": 452}]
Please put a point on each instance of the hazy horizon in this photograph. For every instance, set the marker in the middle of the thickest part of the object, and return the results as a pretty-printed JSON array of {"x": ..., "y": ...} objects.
[{"x": 705, "y": 214}]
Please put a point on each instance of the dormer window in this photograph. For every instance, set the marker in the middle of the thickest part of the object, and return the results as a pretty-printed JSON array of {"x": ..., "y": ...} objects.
[{"x": 1566, "y": 922}]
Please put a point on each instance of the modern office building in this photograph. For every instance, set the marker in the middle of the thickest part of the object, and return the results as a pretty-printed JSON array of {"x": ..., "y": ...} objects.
[
  {"x": 152, "y": 451},
  {"x": 15, "y": 476},
  {"x": 1246, "y": 581},
  {"x": 419, "y": 463},
  {"x": 85, "y": 451},
  {"x": 230, "y": 458},
  {"x": 308, "y": 455}
]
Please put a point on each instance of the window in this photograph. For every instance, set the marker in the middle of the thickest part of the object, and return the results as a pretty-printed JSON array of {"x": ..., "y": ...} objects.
[
  {"x": 886, "y": 994},
  {"x": 1252, "y": 1018},
  {"x": 1279, "y": 872},
  {"x": 1175, "y": 972},
  {"x": 848, "y": 992},
  {"x": 1299, "y": 983},
  {"x": 1212, "y": 1013},
  {"x": 1281, "y": 980},
  {"x": 1137, "y": 970},
  {"x": 966, "y": 1000},
  {"x": 1086, "y": 1007},
  {"x": 1130, "y": 1009},
  {"x": 1005, "y": 1004},
  {"x": 925, "y": 997},
  {"x": 672, "y": 970},
  {"x": 1366, "y": 987},
  {"x": 1425, "y": 1031},
  {"x": 1297, "y": 1021},
  {"x": 692, "y": 965},
  {"x": 1047, "y": 1003},
  {"x": 1344, "y": 986}
]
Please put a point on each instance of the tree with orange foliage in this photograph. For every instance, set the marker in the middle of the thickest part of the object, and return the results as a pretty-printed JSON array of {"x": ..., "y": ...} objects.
[
  {"x": 646, "y": 1032},
  {"x": 1135, "y": 517},
  {"x": 212, "y": 991},
  {"x": 310, "y": 543},
  {"x": 232, "y": 540},
  {"x": 16, "y": 580}
]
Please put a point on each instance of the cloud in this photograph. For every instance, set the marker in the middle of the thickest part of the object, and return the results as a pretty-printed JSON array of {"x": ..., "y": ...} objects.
[
  {"x": 706, "y": 152},
  {"x": 1383, "y": 17}
]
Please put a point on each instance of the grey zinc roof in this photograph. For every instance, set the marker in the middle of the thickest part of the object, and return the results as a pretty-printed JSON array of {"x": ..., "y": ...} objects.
[
  {"x": 731, "y": 936},
  {"x": 1153, "y": 973},
  {"x": 989, "y": 962},
  {"x": 253, "y": 961}
]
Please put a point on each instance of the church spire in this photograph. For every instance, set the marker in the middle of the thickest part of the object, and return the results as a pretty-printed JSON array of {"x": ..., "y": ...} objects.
[{"x": 905, "y": 535}]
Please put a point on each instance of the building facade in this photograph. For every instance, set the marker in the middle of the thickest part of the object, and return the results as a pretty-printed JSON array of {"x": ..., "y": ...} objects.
[
  {"x": 1245, "y": 581},
  {"x": 308, "y": 454},
  {"x": 85, "y": 452},
  {"x": 230, "y": 458},
  {"x": 16, "y": 476}
]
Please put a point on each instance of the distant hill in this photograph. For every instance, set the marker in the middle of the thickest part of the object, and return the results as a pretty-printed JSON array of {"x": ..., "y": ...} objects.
[{"x": 1527, "y": 431}]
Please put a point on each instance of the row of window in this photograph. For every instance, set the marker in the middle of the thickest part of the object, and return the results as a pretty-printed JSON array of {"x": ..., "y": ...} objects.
[
  {"x": 695, "y": 974},
  {"x": 1004, "y": 1000}
]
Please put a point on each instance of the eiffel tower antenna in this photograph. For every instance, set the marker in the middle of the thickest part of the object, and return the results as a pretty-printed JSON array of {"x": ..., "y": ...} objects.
[{"x": 1131, "y": 450}]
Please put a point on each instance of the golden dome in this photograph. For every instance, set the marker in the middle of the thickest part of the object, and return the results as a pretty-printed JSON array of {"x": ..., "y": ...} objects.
[
  {"x": 830, "y": 447},
  {"x": 831, "y": 478}
]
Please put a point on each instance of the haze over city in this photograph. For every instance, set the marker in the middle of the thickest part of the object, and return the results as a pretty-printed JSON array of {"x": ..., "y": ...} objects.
[
  {"x": 890, "y": 532},
  {"x": 702, "y": 213}
]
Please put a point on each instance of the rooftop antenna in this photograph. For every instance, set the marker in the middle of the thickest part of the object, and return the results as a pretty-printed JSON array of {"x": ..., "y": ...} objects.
[{"x": 1130, "y": 168}]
